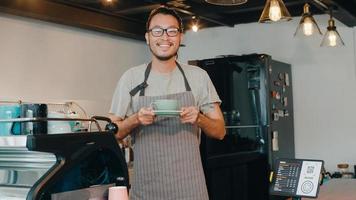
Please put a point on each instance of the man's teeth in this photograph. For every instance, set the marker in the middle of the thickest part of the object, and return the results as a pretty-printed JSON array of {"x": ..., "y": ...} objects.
[{"x": 164, "y": 45}]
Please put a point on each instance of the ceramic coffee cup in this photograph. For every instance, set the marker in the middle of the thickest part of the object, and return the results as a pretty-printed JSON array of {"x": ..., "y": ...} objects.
[
  {"x": 8, "y": 112},
  {"x": 118, "y": 193},
  {"x": 74, "y": 125},
  {"x": 165, "y": 104},
  {"x": 55, "y": 127}
]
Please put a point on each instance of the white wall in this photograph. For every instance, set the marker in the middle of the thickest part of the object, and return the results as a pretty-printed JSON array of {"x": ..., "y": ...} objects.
[
  {"x": 324, "y": 83},
  {"x": 42, "y": 61}
]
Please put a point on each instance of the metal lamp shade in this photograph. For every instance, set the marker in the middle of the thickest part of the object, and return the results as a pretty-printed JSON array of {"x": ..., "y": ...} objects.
[
  {"x": 307, "y": 25},
  {"x": 267, "y": 13},
  {"x": 332, "y": 37},
  {"x": 226, "y": 2}
]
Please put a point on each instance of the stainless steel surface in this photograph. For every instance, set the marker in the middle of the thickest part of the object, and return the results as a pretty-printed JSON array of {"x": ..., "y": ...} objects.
[
  {"x": 13, "y": 193},
  {"x": 96, "y": 123},
  {"x": 22, "y": 159},
  {"x": 20, "y": 168},
  {"x": 20, "y": 178},
  {"x": 10, "y": 101}
]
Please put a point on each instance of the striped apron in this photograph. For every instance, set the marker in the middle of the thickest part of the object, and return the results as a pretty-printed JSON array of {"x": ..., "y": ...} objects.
[{"x": 167, "y": 164}]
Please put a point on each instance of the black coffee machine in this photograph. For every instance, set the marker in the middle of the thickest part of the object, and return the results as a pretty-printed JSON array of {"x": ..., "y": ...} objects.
[
  {"x": 80, "y": 165},
  {"x": 85, "y": 161}
]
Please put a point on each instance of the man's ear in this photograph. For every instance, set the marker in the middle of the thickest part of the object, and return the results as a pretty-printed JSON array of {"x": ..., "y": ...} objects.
[{"x": 146, "y": 36}]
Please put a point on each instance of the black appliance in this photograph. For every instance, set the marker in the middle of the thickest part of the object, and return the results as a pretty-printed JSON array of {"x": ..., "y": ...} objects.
[
  {"x": 257, "y": 104},
  {"x": 78, "y": 165}
]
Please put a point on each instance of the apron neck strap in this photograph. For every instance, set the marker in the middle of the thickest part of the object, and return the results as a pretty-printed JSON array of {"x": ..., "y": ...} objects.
[
  {"x": 141, "y": 87},
  {"x": 187, "y": 86}
]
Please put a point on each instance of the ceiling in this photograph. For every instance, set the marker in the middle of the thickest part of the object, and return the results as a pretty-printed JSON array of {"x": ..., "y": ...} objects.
[{"x": 127, "y": 17}]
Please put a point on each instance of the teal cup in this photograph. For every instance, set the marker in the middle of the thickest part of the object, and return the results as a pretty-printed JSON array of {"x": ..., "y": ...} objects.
[
  {"x": 8, "y": 112},
  {"x": 165, "y": 104}
]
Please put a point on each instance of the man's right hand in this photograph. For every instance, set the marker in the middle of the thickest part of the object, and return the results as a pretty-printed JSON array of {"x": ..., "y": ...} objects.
[{"x": 146, "y": 116}]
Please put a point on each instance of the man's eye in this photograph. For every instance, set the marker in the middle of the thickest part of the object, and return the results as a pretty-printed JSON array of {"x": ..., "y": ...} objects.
[
  {"x": 157, "y": 31},
  {"x": 172, "y": 31}
]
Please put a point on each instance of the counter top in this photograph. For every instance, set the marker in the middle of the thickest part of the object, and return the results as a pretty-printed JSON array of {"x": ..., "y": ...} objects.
[{"x": 338, "y": 189}]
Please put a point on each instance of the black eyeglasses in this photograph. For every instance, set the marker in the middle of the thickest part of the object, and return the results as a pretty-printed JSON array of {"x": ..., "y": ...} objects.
[{"x": 158, "y": 32}]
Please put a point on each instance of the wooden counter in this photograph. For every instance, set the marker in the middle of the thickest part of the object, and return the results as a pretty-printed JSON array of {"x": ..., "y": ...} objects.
[{"x": 338, "y": 189}]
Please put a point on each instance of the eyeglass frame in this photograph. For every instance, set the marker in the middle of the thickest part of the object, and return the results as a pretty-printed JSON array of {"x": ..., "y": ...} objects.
[{"x": 164, "y": 30}]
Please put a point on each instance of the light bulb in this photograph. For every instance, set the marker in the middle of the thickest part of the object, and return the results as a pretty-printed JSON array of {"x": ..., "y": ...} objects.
[
  {"x": 332, "y": 38},
  {"x": 195, "y": 28},
  {"x": 307, "y": 26},
  {"x": 108, "y": 2},
  {"x": 275, "y": 11}
]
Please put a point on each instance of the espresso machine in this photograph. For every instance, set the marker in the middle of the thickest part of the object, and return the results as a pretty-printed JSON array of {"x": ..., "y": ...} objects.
[{"x": 73, "y": 165}]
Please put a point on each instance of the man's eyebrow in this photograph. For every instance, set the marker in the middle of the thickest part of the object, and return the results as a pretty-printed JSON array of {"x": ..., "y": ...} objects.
[{"x": 158, "y": 26}]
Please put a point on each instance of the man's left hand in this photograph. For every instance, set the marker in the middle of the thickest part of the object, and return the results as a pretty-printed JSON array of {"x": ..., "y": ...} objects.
[{"x": 189, "y": 114}]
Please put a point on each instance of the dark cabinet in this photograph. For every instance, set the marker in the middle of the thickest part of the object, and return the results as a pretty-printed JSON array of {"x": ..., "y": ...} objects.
[
  {"x": 241, "y": 176},
  {"x": 257, "y": 105}
]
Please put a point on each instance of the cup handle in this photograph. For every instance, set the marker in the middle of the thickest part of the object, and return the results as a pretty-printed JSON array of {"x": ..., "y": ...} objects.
[{"x": 153, "y": 106}]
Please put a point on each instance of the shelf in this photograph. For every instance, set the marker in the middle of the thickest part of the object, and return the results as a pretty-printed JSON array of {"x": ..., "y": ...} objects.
[{"x": 247, "y": 126}]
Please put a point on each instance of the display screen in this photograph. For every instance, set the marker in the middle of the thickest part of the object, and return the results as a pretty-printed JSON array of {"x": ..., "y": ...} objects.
[{"x": 296, "y": 178}]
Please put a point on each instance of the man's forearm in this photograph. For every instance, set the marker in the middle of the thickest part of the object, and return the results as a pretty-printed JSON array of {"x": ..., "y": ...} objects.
[
  {"x": 126, "y": 126},
  {"x": 214, "y": 128}
]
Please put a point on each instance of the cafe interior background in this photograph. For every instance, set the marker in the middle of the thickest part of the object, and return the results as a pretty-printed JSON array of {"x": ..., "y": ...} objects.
[{"x": 42, "y": 60}]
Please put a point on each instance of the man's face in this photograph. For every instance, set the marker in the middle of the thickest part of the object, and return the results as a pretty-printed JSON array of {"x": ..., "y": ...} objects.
[{"x": 163, "y": 47}]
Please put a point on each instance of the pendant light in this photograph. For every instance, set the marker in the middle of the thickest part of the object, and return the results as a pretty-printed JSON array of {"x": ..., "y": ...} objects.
[
  {"x": 307, "y": 25},
  {"x": 195, "y": 24},
  {"x": 226, "y": 2},
  {"x": 273, "y": 11},
  {"x": 108, "y": 2},
  {"x": 332, "y": 37}
]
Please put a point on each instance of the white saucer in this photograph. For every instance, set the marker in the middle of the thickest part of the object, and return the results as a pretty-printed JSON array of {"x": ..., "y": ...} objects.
[{"x": 167, "y": 112}]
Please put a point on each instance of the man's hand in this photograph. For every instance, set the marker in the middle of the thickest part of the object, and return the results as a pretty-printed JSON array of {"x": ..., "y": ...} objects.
[
  {"x": 211, "y": 123},
  {"x": 189, "y": 115},
  {"x": 146, "y": 116}
]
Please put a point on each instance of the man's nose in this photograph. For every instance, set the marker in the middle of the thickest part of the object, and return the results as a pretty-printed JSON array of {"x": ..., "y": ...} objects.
[{"x": 165, "y": 34}]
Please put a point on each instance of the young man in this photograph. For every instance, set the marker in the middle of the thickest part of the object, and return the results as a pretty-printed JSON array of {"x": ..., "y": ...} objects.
[{"x": 167, "y": 162}]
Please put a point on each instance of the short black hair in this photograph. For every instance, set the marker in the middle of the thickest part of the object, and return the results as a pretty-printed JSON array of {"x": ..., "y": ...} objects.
[{"x": 165, "y": 11}]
